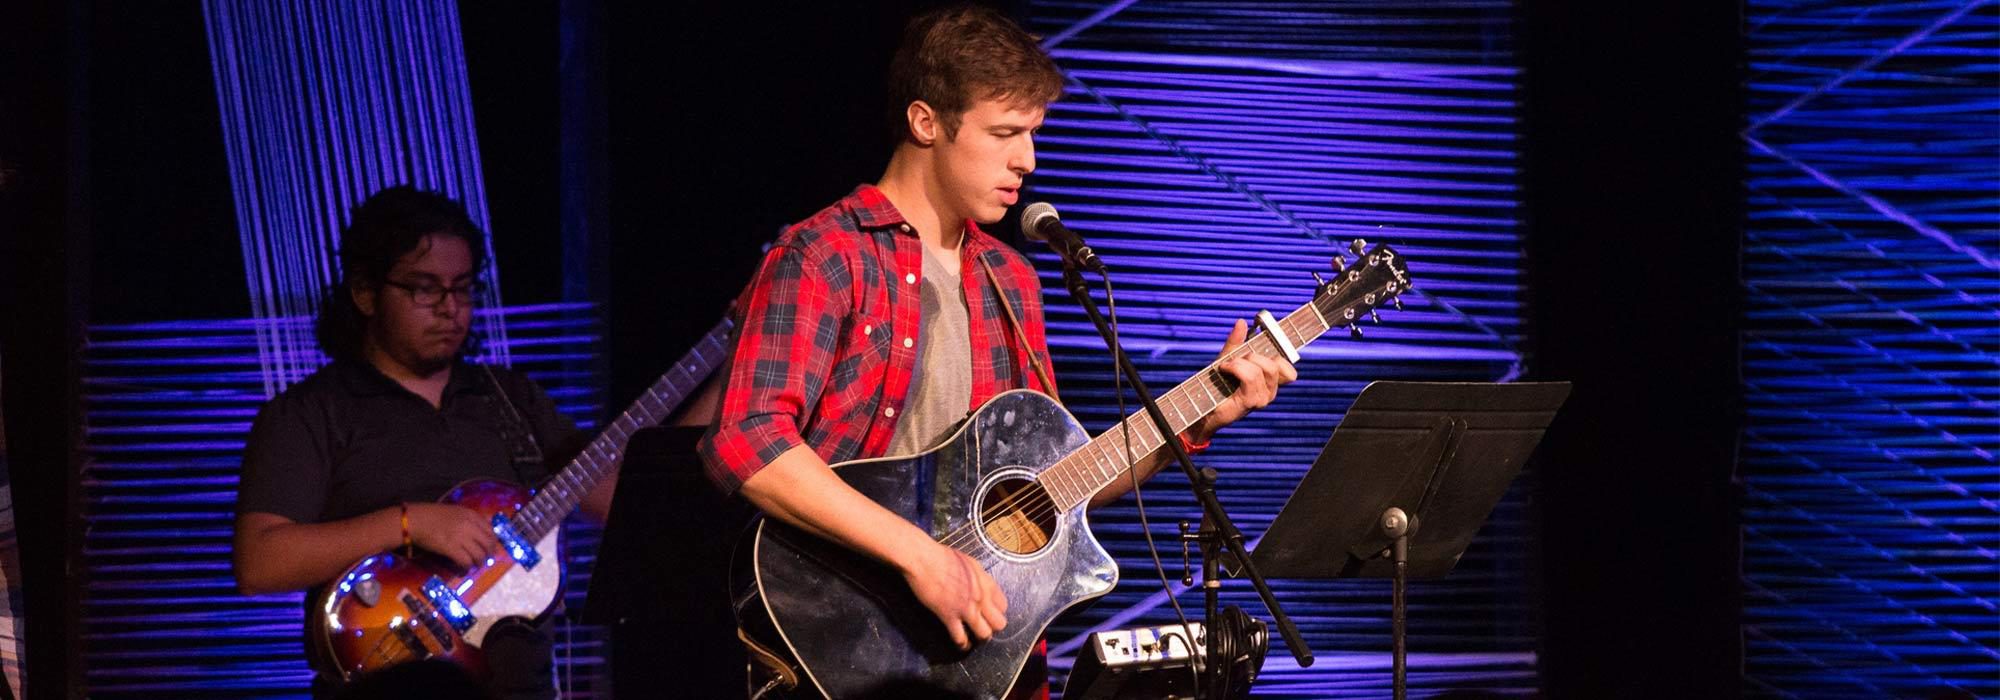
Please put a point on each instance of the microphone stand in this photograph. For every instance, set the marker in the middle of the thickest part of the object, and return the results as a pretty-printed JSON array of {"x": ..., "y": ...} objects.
[{"x": 1204, "y": 493}]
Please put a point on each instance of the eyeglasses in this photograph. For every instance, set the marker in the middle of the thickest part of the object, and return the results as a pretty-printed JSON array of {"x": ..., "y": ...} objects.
[{"x": 433, "y": 295}]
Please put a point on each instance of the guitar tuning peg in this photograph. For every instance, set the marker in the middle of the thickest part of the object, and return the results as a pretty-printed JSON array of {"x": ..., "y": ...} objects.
[
  {"x": 1354, "y": 331},
  {"x": 1372, "y": 318},
  {"x": 1317, "y": 280},
  {"x": 1399, "y": 303},
  {"x": 1339, "y": 264},
  {"x": 1359, "y": 247}
]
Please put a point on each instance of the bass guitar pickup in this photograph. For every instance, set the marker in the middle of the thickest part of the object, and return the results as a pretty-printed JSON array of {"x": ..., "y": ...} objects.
[{"x": 519, "y": 548}]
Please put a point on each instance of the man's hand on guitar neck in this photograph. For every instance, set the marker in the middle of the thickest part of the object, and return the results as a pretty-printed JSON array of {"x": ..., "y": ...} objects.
[
  {"x": 1257, "y": 381},
  {"x": 959, "y": 591}
]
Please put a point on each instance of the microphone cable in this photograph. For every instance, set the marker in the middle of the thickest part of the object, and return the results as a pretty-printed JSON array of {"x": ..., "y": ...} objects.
[{"x": 1132, "y": 473}]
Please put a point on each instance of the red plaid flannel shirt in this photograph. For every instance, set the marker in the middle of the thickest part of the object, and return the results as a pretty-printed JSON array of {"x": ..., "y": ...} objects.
[{"x": 826, "y": 337}]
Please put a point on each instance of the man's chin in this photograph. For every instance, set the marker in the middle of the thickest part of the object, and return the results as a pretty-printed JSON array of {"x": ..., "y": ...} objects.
[{"x": 430, "y": 365}]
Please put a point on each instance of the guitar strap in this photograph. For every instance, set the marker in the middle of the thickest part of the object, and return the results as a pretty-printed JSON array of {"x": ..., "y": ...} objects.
[
  {"x": 524, "y": 453},
  {"x": 1014, "y": 322}
]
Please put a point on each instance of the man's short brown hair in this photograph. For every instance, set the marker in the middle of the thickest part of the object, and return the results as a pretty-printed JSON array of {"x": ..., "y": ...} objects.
[{"x": 953, "y": 57}]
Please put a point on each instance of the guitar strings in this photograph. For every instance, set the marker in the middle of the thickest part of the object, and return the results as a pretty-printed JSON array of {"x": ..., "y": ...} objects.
[
  {"x": 1040, "y": 507},
  {"x": 967, "y": 533},
  {"x": 1139, "y": 498},
  {"x": 389, "y": 632},
  {"x": 532, "y": 517},
  {"x": 539, "y": 516}
]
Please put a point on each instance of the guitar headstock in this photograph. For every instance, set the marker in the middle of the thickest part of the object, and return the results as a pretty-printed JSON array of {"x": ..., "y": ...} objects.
[{"x": 1376, "y": 278}]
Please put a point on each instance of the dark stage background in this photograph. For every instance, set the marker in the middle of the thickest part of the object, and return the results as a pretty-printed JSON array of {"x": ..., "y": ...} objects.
[{"x": 1667, "y": 203}]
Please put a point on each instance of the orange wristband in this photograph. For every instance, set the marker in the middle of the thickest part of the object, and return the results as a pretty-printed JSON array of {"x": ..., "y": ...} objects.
[{"x": 408, "y": 546}]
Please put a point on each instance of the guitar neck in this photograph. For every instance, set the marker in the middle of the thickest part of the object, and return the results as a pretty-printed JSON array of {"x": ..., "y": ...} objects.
[
  {"x": 555, "y": 499},
  {"x": 1103, "y": 460}
]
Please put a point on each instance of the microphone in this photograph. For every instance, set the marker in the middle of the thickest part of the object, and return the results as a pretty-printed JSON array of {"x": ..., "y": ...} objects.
[{"x": 1039, "y": 222}]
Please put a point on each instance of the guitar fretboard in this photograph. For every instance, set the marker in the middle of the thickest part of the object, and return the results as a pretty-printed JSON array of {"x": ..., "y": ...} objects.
[
  {"x": 1089, "y": 469},
  {"x": 560, "y": 495}
]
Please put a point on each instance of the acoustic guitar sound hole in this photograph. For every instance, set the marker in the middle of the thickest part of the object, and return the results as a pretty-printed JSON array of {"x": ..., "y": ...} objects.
[{"x": 1018, "y": 515}]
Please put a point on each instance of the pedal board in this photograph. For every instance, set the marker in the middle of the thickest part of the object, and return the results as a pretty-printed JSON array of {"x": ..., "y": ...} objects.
[{"x": 1143, "y": 662}]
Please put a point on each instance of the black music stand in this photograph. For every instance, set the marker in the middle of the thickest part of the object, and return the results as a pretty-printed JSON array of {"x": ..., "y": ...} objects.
[
  {"x": 661, "y": 582},
  {"x": 1405, "y": 483}
]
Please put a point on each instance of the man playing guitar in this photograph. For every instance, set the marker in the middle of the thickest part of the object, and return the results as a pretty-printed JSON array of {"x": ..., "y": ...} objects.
[
  {"x": 351, "y": 461},
  {"x": 872, "y": 327}
]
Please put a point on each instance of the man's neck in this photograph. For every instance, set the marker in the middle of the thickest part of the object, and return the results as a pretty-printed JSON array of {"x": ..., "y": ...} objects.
[
  {"x": 908, "y": 183},
  {"x": 427, "y": 385}
]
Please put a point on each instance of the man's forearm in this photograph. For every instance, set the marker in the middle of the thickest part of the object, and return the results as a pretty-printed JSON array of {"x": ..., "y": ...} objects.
[
  {"x": 274, "y": 554},
  {"x": 800, "y": 489}
]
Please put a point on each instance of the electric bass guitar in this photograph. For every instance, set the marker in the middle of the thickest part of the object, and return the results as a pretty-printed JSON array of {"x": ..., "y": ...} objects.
[
  {"x": 1008, "y": 489},
  {"x": 390, "y": 609}
]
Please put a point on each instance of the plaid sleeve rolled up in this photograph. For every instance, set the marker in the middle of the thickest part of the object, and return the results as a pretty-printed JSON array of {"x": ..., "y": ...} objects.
[{"x": 789, "y": 322}]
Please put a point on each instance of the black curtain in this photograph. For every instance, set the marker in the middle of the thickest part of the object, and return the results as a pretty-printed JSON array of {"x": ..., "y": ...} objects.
[{"x": 1634, "y": 208}]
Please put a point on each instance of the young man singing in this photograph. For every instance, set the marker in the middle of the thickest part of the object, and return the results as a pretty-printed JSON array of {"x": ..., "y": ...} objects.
[{"x": 875, "y": 325}]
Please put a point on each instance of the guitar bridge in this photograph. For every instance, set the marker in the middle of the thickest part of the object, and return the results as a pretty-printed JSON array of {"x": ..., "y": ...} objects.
[
  {"x": 423, "y": 614},
  {"x": 408, "y": 636}
]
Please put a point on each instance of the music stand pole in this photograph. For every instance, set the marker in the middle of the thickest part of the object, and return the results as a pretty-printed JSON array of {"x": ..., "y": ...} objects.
[
  {"x": 1211, "y": 507},
  {"x": 1398, "y": 525}
]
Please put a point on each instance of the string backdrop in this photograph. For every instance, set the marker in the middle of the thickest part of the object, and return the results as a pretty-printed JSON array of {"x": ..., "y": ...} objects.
[
  {"x": 323, "y": 104},
  {"x": 1216, "y": 154},
  {"x": 1872, "y": 350},
  {"x": 167, "y": 406}
]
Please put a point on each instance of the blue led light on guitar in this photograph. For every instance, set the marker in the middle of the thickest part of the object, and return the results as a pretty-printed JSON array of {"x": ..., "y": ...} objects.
[
  {"x": 520, "y": 549},
  {"x": 447, "y": 605}
]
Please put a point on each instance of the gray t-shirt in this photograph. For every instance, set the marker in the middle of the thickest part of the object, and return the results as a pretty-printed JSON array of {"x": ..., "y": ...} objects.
[{"x": 941, "y": 388}]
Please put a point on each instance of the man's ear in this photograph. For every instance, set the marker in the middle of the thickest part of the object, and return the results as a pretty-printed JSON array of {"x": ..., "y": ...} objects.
[
  {"x": 364, "y": 298},
  {"x": 923, "y": 122}
]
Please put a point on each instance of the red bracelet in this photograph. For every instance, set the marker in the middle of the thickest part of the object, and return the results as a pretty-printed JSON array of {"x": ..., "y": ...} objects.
[{"x": 1192, "y": 447}]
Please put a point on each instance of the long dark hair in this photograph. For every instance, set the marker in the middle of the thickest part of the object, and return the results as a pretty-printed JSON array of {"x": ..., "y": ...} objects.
[{"x": 384, "y": 228}]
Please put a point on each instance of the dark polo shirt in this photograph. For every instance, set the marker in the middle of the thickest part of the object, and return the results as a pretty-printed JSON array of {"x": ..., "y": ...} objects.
[{"x": 348, "y": 440}]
